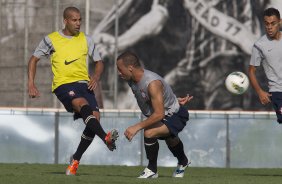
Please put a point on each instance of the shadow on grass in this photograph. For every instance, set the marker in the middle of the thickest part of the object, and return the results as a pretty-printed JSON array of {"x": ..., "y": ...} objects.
[
  {"x": 63, "y": 173},
  {"x": 132, "y": 176}
]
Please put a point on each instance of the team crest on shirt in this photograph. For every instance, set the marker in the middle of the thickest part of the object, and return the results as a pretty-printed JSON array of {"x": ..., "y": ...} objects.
[
  {"x": 143, "y": 94},
  {"x": 71, "y": 93}
]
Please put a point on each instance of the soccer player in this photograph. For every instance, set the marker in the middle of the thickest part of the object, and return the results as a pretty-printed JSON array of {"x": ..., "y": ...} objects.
[
  {"x": 267, "y": 51},
  {"x": 165, "y": 116},
  {"x": 69, "y": 49}
]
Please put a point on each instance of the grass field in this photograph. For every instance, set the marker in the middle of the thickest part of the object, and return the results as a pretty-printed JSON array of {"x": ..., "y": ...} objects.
[{"x": 44, "y": 173}]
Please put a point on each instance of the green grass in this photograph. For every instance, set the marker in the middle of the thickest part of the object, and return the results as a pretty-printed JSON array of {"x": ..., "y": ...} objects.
[{"x": 45, "y": 173}]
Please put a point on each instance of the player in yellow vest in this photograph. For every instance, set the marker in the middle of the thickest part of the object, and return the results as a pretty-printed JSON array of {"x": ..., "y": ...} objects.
[{"x": 69, "y": 49}]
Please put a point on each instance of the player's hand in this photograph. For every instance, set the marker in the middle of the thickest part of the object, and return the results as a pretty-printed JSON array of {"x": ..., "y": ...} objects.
[
  {"x": 130, "y": 132},
  {"x": 33, "y": 92},
  {"x": 92, "y": 84},
  {"x": 184, "y": 100},
  {"x": 264, "y": 97}
]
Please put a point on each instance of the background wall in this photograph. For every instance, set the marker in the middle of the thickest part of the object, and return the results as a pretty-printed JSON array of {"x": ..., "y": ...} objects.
[
  {"x": 193, "y": 44},
  {"x": 211, "y": 139}
]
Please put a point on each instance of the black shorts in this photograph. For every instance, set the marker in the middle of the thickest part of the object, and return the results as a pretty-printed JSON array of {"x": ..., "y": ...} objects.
[
  {"x": 67, "y": 92},
  {"x": 177, "y": 121},
  {"x": 276, "y": 99}
]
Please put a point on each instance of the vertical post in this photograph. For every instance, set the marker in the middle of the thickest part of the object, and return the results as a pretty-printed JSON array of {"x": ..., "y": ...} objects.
[
  {"x": 56, "y": 139},
  {"x": 116, "y": 54},
  {"x": 56, "y": 3},
  {"x": 87, "y": 17},
  {"x": 141, "y": 144},
  {"x": 227, "y": 164},
  {"x": 26, "y": 23},
  {"x": 1, "y": 30}
]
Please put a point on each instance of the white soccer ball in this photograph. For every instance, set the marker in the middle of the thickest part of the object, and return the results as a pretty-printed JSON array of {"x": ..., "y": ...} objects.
[{"x": 237, "y": 83}]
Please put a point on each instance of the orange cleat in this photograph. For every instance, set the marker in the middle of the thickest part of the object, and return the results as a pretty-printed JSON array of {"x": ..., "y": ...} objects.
[
  {"x": 110, "y": 139},
  {"x": 72, "y": 168}
]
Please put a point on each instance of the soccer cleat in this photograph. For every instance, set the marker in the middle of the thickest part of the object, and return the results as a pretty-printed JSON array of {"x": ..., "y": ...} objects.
[
  {"x": 72, "y": 168},
  {"x": 147, "y": 173},
  {"x": 179, "y": 171},
  {"x": 110, "y": 139}
]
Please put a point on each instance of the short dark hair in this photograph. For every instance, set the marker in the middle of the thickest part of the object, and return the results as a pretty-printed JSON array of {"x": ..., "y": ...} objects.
[
  {"x": 129, "y": 58},
  {"x": 271, "y": 12},
  {"x": 68, "y": 10}
]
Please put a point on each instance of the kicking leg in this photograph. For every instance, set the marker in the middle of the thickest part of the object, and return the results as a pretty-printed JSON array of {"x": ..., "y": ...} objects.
[
  {"x": 94, "y": 125},
  {"x": 81, "y": 105}
]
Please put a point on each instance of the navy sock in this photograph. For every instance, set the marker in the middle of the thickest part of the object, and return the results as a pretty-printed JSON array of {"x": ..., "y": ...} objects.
[
  {"x": 178, "y": 152},
  {"x": 91, "y": 122},
  {"x": 152, "y": 149},
  {"x": 86, "y": 139}
]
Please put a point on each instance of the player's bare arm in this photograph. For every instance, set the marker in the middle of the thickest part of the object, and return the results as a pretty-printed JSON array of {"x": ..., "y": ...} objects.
[
  {"x": 94, "y": 79},
  {"x": 32, "y": 90},
  {"x": 263, "y": 95},
  {"x": 155, "y": 90}
]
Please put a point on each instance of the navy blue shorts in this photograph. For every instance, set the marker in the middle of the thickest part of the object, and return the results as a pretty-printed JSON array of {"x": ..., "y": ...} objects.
[
  {"x": 177, "y": 121},
  {"x": 276, "y": 99},
  {"x": 67, "y": 92}
]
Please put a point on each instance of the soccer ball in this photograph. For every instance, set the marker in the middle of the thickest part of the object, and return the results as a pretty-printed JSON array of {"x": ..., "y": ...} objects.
[{"x": 237, "y": 83}]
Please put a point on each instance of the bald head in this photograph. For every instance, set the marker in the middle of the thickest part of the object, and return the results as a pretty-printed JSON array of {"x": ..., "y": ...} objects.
[
  {"x": 68, "y": 10},
  {"x": 129, "y": 58}
]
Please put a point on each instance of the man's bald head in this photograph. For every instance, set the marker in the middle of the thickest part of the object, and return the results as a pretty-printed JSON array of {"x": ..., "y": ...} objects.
[{"x": 68, "y": 10}]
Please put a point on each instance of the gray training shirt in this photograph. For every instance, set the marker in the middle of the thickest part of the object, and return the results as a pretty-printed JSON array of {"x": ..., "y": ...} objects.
[
  {"x": 269, "y": 53},
  {"x": 140, "y": 91}
]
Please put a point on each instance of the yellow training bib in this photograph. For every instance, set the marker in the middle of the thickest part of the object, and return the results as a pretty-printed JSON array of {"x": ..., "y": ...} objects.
[{"x": 69, "y": 59}]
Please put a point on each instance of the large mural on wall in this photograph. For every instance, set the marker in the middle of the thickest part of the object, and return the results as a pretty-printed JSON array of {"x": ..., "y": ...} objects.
[{"x": 193, "y": 44}]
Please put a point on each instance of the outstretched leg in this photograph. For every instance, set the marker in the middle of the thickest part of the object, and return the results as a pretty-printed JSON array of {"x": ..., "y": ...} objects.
[{"x": 175, "y": 145}]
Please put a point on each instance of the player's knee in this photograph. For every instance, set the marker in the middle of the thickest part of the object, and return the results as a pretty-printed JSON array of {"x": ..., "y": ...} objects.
[
  {"x": 97, "y": 115},
  {"x": 78, "y": 103},
  {"x": 150, "y": 141},
  {"x": 149, "y": 133},
  {"x": 86, "y": 113}
]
